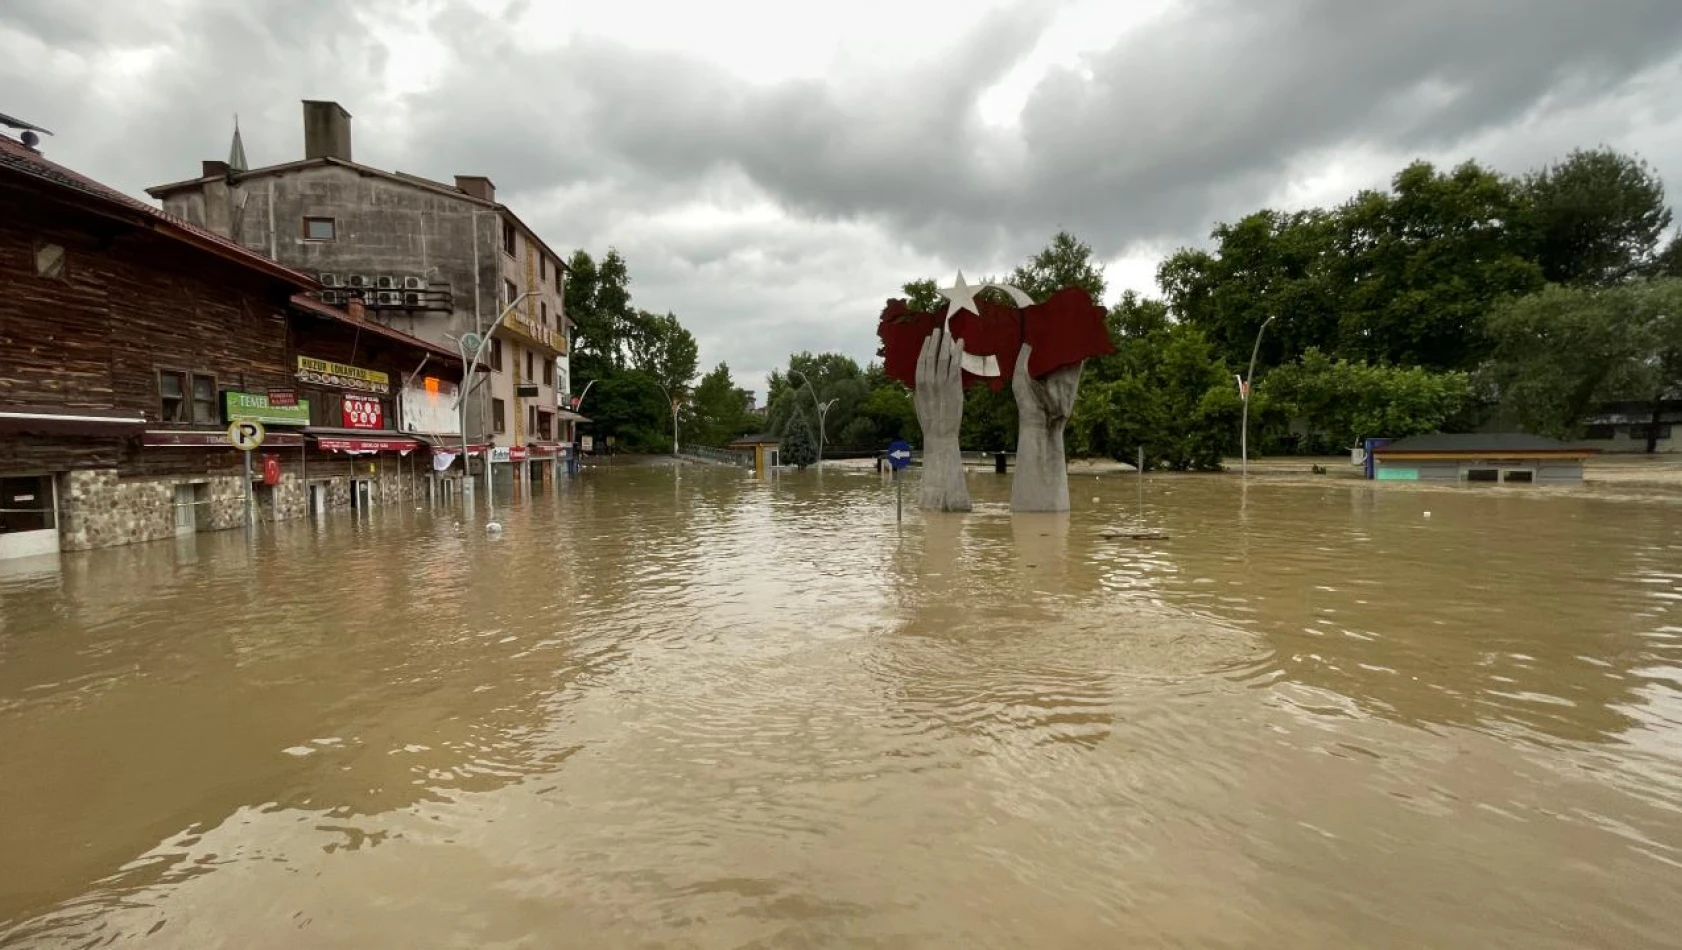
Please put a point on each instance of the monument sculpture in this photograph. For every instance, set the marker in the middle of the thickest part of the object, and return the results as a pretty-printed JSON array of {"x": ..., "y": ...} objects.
[{"x": 1039, "y": 348}]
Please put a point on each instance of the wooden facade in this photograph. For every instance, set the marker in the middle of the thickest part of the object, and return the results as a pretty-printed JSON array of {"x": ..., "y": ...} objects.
[{"x": 121, "y": 333}]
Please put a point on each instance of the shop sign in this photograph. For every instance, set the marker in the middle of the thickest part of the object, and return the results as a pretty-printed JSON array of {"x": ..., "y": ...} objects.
[
  {"x": 357, "y": 446},
  {"x": 517, "y": 453},
  {"x": 283, "y": 397},
  {"x": 341, "y": 376},
  {"x": 363, "y": 412},
  {"x": 499, "y": 453},
  {"x": 250, "y": 407}
]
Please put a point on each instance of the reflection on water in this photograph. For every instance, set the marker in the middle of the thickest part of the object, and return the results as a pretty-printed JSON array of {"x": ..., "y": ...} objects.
[{"x": 692, "y": 709}]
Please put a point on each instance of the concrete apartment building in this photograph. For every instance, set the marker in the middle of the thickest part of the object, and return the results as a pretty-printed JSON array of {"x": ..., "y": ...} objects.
[{"x": 433, "y": 260}]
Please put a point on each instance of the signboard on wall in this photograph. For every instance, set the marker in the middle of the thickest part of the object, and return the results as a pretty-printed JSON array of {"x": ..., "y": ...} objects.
[
  {"x": 363, "y": 412},
  {"x": 429, "y": 409},
  {"x": 342, "y": 376},
  {"x": 250, "y": 407}
]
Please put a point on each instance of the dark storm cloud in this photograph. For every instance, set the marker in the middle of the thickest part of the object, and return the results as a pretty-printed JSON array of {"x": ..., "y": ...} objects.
[
  {"x": 1199, "y": 114},
  {"x": 1149, "y": 139}
]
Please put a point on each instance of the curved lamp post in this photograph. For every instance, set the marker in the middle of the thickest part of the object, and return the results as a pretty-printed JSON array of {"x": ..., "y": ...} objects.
[
  {"x": 1244, "y": 392},
  {"x": 471, "y": 361},
  {"x": 823, "y": 408}
]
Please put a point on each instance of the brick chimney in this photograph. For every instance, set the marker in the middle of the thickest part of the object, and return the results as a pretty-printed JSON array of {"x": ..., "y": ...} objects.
[
  {"x": 214, "y": 169},
  {"x": 478, "y": 186},
  {"x": 326, "y": 130},
  {"x": 354, "y": 308}
]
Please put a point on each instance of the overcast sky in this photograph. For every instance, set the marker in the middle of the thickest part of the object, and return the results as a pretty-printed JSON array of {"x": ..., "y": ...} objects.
[{"x": 772, "y": 173}]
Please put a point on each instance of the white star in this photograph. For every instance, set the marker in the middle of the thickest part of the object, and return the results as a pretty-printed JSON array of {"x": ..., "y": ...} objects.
[{"x": 960, "y": 297}]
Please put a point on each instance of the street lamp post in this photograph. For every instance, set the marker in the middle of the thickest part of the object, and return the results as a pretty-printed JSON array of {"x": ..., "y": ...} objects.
[
  {"x": 823, "y": 408},
  {"x": 1247, "y": 385},
  {"x": 471, "y": 361}
]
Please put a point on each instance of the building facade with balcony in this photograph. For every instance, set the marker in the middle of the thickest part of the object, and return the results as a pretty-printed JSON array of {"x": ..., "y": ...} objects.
[{"x": 437, "y": 261}]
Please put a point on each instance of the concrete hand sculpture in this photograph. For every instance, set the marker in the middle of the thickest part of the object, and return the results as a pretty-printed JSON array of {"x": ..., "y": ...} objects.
[
  {"x": 1042, "y": 411},
  {"x": 939, "y": 398},
  {"x": 1038, "y": 347}
]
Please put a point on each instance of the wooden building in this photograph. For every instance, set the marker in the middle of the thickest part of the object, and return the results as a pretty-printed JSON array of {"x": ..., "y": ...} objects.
[
  {"x": 128, "y": 340},
  {"x": 378, "y": 402},
  {"x": 1489, "y": 458}
]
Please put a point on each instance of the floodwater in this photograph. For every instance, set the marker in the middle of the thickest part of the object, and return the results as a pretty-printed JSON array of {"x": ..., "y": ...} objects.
[{"x": 688, "y": 709}]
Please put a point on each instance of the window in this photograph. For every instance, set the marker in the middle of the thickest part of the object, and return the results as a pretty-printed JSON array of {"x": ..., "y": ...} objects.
[
  {"x": 543, "y": 311},
  {"x": 320, "y": 229},
  {"x": 545, "y": 421},
  {"x": 558, "y": 276},
  {"x": 49, "y": 261},
  {"x": 1645, "y": 431},
  {"x": 26, "y": 503},
  {"x": 548, "y": 372},
  {"x": 204, "y": 401},
  {"x": 531, "y": 367},
  {"x": 187, "y": 397},
  {"x": 326, "y": 407},
  {"x": 499, "y": 416},
  {"x": 510, "y": 292},
  {"x": 531, "y": 419},
  {"x": 508, "y": 238},
  {"x": 542, "y": 267},
  {"x": 496, "y": 355},
  {"x": 1483, "y": 475},
  {"x": 1518, "y": 475},
  {"x": 1600, "y": 432},
  {"x": 172, "y": 396}
]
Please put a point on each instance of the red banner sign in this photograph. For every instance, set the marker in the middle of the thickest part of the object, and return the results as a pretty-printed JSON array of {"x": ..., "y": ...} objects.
[
  {"x": 283, "y": 398},
  {"x": 366, "y": 445},
  {"x": 363, "y": 412},
  {"x": 517, "y": 453}
]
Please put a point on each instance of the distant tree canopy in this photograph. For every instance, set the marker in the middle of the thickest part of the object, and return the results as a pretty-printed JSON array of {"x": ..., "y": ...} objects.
[
  {"x": 636, "y": 359},
  {"x": 1403, "y": 310}
]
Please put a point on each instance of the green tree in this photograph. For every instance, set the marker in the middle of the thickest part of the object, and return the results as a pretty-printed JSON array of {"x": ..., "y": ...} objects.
[
  {"x": 718, "y": 406},
  {"x": 660, "y": 346},
  {"x": 1597, "y": 217},
  {"x": 799, "y": 448},
  {"x": 1165, "y": 390},
  {"x": 1339, "y": 402},
  {"x": 1065, "y": 262},
  {"x": 1561, "y": 352}
]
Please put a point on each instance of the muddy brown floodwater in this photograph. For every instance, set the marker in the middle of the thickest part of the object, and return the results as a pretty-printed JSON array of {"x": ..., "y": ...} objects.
[{"x": 688, "y": 709}]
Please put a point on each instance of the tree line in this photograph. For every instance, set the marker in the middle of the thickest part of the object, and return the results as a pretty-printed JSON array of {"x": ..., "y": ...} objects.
[
  {"x": 1452, "y": 299},
  {"x": 631, "y": 364}
]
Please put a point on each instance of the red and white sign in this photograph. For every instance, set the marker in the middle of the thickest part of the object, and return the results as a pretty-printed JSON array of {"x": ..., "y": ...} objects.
[
  {"x": 283, "y": 398},
  {"x": 366, "y": 445},
  {"x": 363, "y": 412},
  {"x": 517, "y": 453}
]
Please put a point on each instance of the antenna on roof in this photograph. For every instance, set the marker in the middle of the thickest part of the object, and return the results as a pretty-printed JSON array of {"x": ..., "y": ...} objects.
[{"x": 28, "y": 138}]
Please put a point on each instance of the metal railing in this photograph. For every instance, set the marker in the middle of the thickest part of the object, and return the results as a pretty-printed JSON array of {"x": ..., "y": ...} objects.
[{"x": 717, "y": 456}]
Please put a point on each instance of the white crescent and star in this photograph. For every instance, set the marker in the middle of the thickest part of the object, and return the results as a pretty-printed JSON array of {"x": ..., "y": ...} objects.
[{"x": 960, "y": 297}]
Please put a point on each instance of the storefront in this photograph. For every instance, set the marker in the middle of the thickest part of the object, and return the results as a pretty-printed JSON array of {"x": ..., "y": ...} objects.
[{"x": 360, "y": 470}]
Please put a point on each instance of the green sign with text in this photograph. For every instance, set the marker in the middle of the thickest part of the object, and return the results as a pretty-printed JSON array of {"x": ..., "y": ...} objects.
[{"x": 251, "y": 407}]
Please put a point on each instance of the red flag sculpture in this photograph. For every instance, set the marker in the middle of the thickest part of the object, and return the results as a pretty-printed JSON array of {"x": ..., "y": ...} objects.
[{"x": 1063, "y": 330}]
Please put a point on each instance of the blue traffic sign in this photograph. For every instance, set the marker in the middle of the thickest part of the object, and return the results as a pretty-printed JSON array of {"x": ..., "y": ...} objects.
[{"x": 899, "y": 454}]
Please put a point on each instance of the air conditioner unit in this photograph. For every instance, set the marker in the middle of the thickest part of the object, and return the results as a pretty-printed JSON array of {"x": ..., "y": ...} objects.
[
  {"x": 332, "y": 297},
  {"x": 413, "y": 283},
  {"x": 331, "y": 280},
  {"x": 385, "y": 282},
  {"x": 358, "y": 280},
  {"x": 412, "y": 300},
  {"x": 388, "y": 298}
]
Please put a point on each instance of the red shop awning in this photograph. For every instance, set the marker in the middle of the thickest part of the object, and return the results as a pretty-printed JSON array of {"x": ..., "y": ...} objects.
[{"x": 362, "y": 446}]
